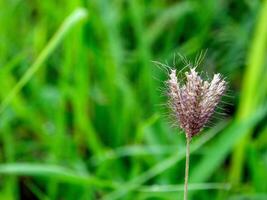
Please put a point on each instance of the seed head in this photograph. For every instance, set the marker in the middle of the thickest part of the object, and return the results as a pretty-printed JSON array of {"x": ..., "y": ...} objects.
[{"x": 194, "y": 102}]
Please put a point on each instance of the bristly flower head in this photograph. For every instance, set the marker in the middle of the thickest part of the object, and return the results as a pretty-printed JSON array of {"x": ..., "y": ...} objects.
[{"x": 194, "y": 102}]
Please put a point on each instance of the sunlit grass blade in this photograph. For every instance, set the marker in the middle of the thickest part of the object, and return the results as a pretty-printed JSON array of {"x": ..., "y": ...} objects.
[
  {"x": 180, "y": 187},
  {"x": 75, "y": 17},
  {"x": 53, "y": 171},
  {"x": 250, "y": 99}
]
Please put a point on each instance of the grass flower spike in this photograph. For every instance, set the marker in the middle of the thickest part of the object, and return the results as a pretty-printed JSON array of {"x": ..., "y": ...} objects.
[{"x": 193, "y": 104}]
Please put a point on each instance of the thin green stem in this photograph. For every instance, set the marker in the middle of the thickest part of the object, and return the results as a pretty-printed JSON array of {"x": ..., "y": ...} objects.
[{"x": 186, "y": 167}]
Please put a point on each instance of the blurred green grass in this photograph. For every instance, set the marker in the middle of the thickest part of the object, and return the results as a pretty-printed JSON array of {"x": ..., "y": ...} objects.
[{"x": 80, "y": 99}]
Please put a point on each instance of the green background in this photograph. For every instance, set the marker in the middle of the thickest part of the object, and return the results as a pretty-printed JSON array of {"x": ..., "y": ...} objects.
[{"x": 83, "y": 108}]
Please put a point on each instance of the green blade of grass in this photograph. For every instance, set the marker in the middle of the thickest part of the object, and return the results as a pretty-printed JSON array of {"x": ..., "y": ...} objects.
[
  {"x": 75, "y": 17},
  {"x": 180, "y": 187},
  {"x": 252, "y": 79},
  {"x": 53, "y": 171}
]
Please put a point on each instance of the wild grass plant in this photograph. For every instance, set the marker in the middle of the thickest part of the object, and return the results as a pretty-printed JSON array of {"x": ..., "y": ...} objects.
[{"x": 193, "y": 103}]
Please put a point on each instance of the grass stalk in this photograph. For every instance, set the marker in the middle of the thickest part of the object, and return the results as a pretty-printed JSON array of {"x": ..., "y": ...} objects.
[{"x": 187, "y": 157}]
